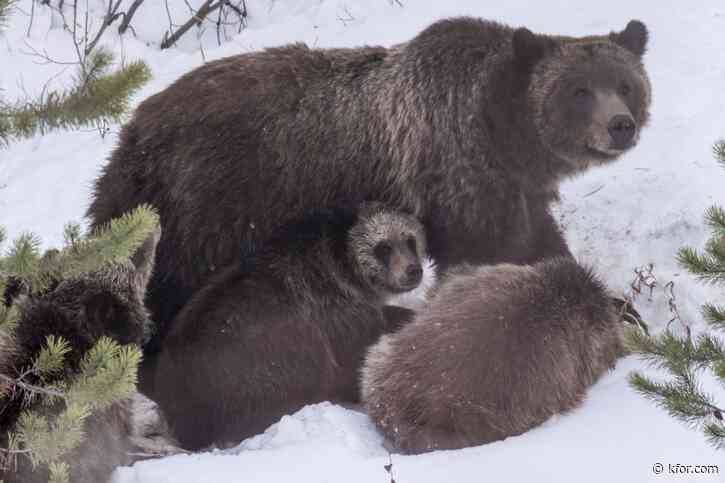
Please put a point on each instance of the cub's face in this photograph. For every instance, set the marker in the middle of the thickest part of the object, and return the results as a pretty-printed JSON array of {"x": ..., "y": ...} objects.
[
  {"x": 591, "y": 96},
  {"x": 388, "y": 247}
]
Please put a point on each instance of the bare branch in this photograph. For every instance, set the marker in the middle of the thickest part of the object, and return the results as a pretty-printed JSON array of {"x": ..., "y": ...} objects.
[
  {"x": 128, "y": 15},
  {"x": 205, "y": 9},
  {"x": 111, "y": 16}
]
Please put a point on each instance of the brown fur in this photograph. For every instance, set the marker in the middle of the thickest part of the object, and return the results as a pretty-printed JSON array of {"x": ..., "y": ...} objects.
[
  {"x": 470, "y": 126},
  {"x": 288, "y": 328},
  {"x": 497, "y": 351},
  {"x": 109, "y": 303}
]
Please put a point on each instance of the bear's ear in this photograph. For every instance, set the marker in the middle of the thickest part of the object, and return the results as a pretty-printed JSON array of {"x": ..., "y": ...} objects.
[
  {"x": 143, "y": 262},
  {"x": 529, "y": 48},
  {"x": 633, "y": 37}
]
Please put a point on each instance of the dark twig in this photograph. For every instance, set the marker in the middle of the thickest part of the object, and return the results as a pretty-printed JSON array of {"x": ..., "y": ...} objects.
[
  {"x": 111, "y": 16},
  {"x": 128, "y": 15},
  {"x": 206, "y": 8}
]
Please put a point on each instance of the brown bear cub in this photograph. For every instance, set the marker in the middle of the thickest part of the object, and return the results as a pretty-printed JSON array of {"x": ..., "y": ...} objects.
[
  {"x": 288, "y": 327},
  {"x": 108, "y": 303},
  {"x": 470, "y": 126},
  {"x": 498, "y": 350}
]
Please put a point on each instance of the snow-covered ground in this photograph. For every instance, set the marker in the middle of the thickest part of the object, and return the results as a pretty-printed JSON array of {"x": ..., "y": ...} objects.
[{"x": 637, "y": 211}]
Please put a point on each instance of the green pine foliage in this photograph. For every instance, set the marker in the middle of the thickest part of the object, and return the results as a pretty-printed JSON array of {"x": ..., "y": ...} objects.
[
  {"x": 5, "y": 8},
  {"x": 684, "y": 357},
  {"x": 107, "y": 372},
  {"x": 111, "y": 243},
  {"x": 97, "y": 94}
]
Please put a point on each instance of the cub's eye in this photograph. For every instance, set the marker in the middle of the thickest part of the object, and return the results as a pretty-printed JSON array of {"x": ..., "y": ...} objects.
[
  {"x": 412, "y": 246},
  {"x": 581, "y": 92},
  {"x": 624, "y": 89},
  {"x": 382, "y": 252}
]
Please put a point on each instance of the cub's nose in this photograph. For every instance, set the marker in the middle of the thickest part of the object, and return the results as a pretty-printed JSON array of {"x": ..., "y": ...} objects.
[
  {"x": 621, "y": 128},
  {"x": 413, "y": 274}
]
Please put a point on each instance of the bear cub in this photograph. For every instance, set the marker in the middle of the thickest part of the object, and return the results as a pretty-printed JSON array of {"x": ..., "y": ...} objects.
[
  {"x": 288, "y": 326},
  {"x": 498, "y": 351},
  {"x": 105, "y": 303}
]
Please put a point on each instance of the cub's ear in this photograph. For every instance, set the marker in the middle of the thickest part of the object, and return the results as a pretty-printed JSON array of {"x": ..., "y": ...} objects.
[
  {"x": 633, "y": 38},
  {"x": 143, "y": 262},
  {"x": 529, "y": 48}
]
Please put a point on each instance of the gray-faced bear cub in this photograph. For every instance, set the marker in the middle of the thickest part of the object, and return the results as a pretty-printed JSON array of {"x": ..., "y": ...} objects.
[{"x": 288, "y": 327}]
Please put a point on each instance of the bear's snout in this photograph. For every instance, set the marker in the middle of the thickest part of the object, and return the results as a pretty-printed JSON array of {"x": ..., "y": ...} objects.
[
  {"x": 622, "y": 129},
  {"x": 413, "y": 275}
]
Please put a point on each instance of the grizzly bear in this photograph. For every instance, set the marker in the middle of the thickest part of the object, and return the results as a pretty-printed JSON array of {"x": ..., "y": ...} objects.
[
  {"x": 470, "y": 126},
  {"x": 288, "y": 327},
  {"x": 108, "y": 302},
  {"x": 498, "y": 350}
]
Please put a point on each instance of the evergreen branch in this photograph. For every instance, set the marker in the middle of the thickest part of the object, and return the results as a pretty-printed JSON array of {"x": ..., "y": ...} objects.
[
  {"x": 30, "y": 387},
  {"x": 51, "y": 357},
  {"x": 109, "y": 373},
  {"x": 22, "y": 258},
  {"x": 59, "y": 473},
  {"x": 714, "y": 315},
  {"x": 705, "y": 267},
  {"x": 113, "y": 242},
  {"x": 715, "y": 433},
  {"x": 718, "y": 150},
  {"x": 682, "y": 398},
  {"x": 665, "y": 351},
  {"x": 97, "y": 96},
  {"x": 5, "y": 7},
  {"x": 715, "y": 219}
]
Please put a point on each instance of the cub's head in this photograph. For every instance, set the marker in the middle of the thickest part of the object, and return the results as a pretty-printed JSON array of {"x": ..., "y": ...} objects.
[
  {"x": 108, "y": 302},
  {"x": 589, "y": 96},
  {"x": 388, "y": 248}
]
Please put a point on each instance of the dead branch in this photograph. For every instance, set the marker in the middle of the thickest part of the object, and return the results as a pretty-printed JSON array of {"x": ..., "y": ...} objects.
[
  {"x": 110, "y": 17},
  {"x": 128, "y": 15},
  {"x": 201, "y": 14},
  {"x": 206, "y": 8}
]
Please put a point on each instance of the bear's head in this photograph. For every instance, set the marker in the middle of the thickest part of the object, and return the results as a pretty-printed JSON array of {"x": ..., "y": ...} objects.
[
  {"x": 388, "y": 247},
  {"x": 107, "y": 302},
  {"x": 589, "y": 97}
]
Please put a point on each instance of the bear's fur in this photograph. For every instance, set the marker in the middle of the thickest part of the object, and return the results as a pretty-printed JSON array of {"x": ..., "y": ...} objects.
[
  {"x": 109, "y": 303},
  {"x": 470, "y": 126},
  {"x": 498, "y": 350},
  {"x": 287, "y": 328}
]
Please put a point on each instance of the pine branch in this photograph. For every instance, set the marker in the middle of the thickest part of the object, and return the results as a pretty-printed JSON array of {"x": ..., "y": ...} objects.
[
  {"x": 718, "y": 151},
  {"x": 715, "y": 433},
  {"x": 59, "y": 473},
  {"x": 97, "y": 95},
  {"x": 6, "y": 7},
  {"x": 705, "y": 267},
  {"x": 714, "y": 315},
  {"x": 681, "y": 398},
  {"x": 715, "y": 218}
]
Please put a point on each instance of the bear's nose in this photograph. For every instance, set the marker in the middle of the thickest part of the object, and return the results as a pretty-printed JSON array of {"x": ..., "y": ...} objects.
[
  {"x": 621, "y": 129},
  {"x": 413, "y": 274}
]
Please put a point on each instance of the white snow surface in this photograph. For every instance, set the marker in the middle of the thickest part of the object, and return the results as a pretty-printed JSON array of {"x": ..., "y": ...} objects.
[{"x": 639, "y": 210}]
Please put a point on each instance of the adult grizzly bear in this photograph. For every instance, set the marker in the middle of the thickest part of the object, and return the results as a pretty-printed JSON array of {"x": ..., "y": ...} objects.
[
  {"x": 287, "y": 328},
  {"x": 470, "y": 126},
  {"x": 498, "y": 350}
]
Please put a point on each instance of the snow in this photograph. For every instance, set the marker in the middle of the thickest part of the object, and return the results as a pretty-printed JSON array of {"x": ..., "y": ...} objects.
[{"x": 636, "y": 211}]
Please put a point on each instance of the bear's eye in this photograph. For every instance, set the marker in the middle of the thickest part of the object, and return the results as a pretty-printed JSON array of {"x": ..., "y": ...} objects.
[
  {"x": 382, "y": 252},
  {"x": 581, "y": 92},
  {"x": 412, "y": 246},
  {"x": 624, "y": 89}
]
